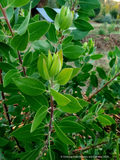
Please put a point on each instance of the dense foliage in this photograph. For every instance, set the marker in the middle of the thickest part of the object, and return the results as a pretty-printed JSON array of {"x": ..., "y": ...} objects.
[{"x": 43, "y": 112}]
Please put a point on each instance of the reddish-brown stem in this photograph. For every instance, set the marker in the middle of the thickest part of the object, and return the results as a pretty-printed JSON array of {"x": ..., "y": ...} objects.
[
  {"x": 77, "y": 151},
  {"x": 5, "y": 17},
  {"x": 21, "y": 63},
  {"x": 103, "y": 86}
]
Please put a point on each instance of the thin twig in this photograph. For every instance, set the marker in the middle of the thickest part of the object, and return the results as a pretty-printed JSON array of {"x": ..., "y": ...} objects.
[
  {"x": 93, "y": 146},
  {"x": 103, "y": 87}
]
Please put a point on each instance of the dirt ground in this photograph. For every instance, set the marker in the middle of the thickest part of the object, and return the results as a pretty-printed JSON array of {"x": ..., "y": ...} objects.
[{"x": 104, "y": 42}]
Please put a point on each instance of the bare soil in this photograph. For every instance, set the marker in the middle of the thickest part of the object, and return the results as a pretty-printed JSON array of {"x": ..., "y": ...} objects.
[{"x": 104, "y": 42}]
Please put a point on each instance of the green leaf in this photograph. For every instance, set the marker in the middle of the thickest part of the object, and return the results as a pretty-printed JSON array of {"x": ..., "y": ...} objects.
[
  {"x": 9, "y": 75},
  {"x": 40, "y": 65},
  {"x": 34, "y": 3},
  {"x": 64, "y": 76},
  {"x": 66, "y": 21},
  {"x": 56, "y": 67},
  {"x": 101, "y": 73},
  {"x": 103, "y": 119},
  {"x": 23, "y": 27},
  {"x": 87, "y": 117},
  {"x": 61, "y": 146},
  {"x": 42, "y": 46},
  {"x": 78, "y": 35},
  {"x": 6, "y": 66},
  {"x": 92, "y": 109},
  {"x": 82, "y": 102},
  {"x": 112, "y": 62},
  {"x": 74, "y": 72},
  {"x": 51, "y": 34},
  {"x": 96, "y": 127},
  {"x": 20, "y": 42},
  {"x": 62, "y": 136},
  {"x": 88, "y": 4},
  {"x": 108, "y": 118},
  {"x": 38, "y": 29},
  {"x": 3, "y": 142},
  {"x": 45, "y": 70},
  {"x": 88, "y": 131},
  {"x": 89, "y": 13},
  {"x": 117, "y": 51},
  {"x": 17, "y": 3},
  {"x": 32, "y": 154},
  {"x": 50, "y": 12},
  {"x": 109, "y": 97},
  {"x": 71, "y": 107},
  {"x": 5, "y": 49},
  {"x": 82, "y": 25},
  {"x": 27, "y": 59},
  {"x": 96, "y": 56},
  {"x": 36, "y": 101},
  {"x": 118, "y": 157},
  {"x": 11, "y": 88},
  {"x": 24, "y": 133},
  {"x": 61, "y": 2},
  {"x": 14, "y": 99},
  {"x": 59, "y": 98},
  {"x": 67, "y": 40},
  {"x": 73, "y": 52},
  {"x": 94, "y": 80},
  {"x": 70, "y": 126},
  {"x": 2, "y": 35},
  {"x": 40, "y": 115},
  {"x": 87, "y": 67},
  {"x": 9, "y": 12},
  {"x": 29, "y": 86}
]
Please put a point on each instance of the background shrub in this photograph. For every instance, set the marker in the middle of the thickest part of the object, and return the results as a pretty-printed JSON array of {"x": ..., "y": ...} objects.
[
  {"x": 114, "y": 13},
  {"x": 107, "y": 18}
]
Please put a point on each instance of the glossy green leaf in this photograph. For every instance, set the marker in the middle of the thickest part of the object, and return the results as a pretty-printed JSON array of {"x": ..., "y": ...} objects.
[
  {"x": 101, "y": 73},
  {"x": 64, "y": 76},
  {"x": 61, "y": 146},
  {"x": 20, "y": 42},
  {"x": 87, "y": 117},
  {"x": 11, "y": 88},
  {"x": 36, "y": 101},
  {"x": 5, "y": 49},
  {"x": 78, "y": 35},
  {"x": 23, "y": 27},
  {"x": 89, "y": 13},
  {"x": 40, "y": 115},
  {"x": 67, "y": 40},
  {"x": 14, "y": 99},
  {"x": 74, "y": 72},
  {"x": 62, "y": 136},
  {"x": 51, "y": 34},
  {"x": 6, "y": 66},
  {"x": 2, "y": 35},
  {"x": 40, "y": 64},
  {"x": 112, "y": 62},
  {"x": 104, "y": 120},
  {"x": 56, "y": 67},
  {"x": 27, "y": 59},
  {"x": 70, "y": 126},
  {"x": 109, "y": 118},
  {"x": 82, "y": 25},
  {"x": 59, "y": 98},
  {"x": 96, "y": 127},
  {"x": 9, "y": 13},
  {"x": 82, "y": 102},
  {"x": 73, "y": 52},
  {"x": 29, "y": 86},
  {"x": 9, "y": 75},
  {"x": 71, "y": 107},
  {"x": 117, "y": 51},
  {"x": 45, "y": 70},
  {"x": 96, "y": 56},
  {"x": 57, "y": 25},
  {"x": 87, "y": 67},
  {"x": 24, "y": 133},
  {"x": 94, "y": 80},
  {"x": 88, "y": 4},
  {"x": 61, "y": 2},
  {"x": 17, "y": 3},
  {"x": 32, "y": 154},
  {"x": 50, "y": 12},
  {"x": 34, "y": 3},
  {"x": 109, "y": 97},
  {"x": 3, "y": 142},
  {"x": 38, "y": 29}
]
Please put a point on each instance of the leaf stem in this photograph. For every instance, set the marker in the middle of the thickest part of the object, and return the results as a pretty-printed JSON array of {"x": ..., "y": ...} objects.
[
  {"x": 78, "y": 151},
  {"x": 103, "y": 87}
]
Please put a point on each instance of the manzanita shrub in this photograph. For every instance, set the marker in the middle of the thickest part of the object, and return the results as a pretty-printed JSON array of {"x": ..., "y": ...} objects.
[{"x": 42, "y": 113}]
